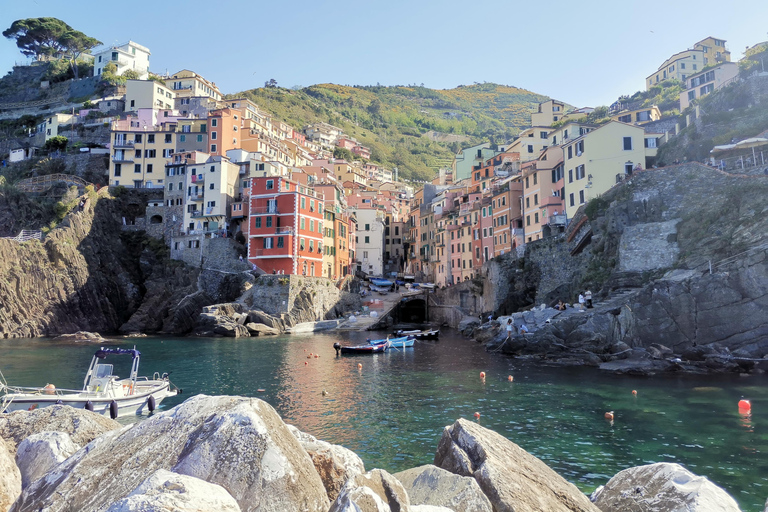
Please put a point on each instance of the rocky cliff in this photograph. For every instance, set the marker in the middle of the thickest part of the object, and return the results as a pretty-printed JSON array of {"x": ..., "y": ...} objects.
[
  {"x": 89, "y": 275},
  {"x": 675, "y": 256}
]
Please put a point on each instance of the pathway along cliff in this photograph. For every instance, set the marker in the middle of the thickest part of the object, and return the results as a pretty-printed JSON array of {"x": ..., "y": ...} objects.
[{"x": 680, "y": 258}]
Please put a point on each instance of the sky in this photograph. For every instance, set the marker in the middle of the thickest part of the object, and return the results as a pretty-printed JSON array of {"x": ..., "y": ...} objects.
[{"x": 585, "y": 53}]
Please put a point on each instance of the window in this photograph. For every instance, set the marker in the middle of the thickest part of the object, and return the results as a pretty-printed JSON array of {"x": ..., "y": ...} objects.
[
  {"x": 137, "y": 168},
  {"x": 691, "y": 95},
  {"x": 527, "y": 184},
  {"x": 149, "y": 168},
  {"x": 269, "y": 222},
  {"x": 527, "y": 202},
  {"x": 213, "y": 148},
  {"x": 627, "y": 143},
  {"x": 211, "y": 204},
  {"x": 268, "y": 242},
  {"x": 367, "y": 239},
  {"x": 311, "y": 225},
  {"x": 301, "y": 244},
  {"x": 528, "y": 220},
  {"x": 270, "y": 184},
  {"x": 650, "y": 143},
  {"x": 258, "y": 222},
  {"x": 570, "y": 151},
  {"x": 367, "y": 227},
  {"x": 570, "y": 197},
  {"x": 695, "y": 66},
  {"x": 535, "y": 178},
  {"x": 150, "y": 153},
  {"x": 214, "y": 135},
  {"x": 311, "y": 246},
  {"x": 137, "y": 138},
  {"x": 302, "y": 223},
  {"x": 530, "y": 148},
  {"x": 304, "y": 205},
  {"x": 214, "y": 122},
  {"x": 580, "y": 172},
  {"x": 279, "y": 242},
  {"x": 581, "y": 197},
  {"x": 199, "y": 138},
  {"x": 151, "y": 138},
  {"x": 543, "y": 135},
  {"x": 535, "y": 199},
  {"x": 570, "y": 175},
  {"x": 118, "y": 170}
]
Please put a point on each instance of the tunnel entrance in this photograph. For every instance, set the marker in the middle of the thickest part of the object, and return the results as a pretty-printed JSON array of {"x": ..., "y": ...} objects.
[{"x": 412, "y": 311}]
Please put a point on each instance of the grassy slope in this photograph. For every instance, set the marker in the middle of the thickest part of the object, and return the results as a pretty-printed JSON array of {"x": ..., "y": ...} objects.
[{"x": 393, "y": 121}]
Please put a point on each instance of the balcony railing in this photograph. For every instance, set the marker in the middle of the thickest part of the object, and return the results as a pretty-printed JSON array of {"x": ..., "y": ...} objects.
[
  {"x": 122, "y": 159},
  {"x": 121, "y": 143},
  {"x": 556, "y": 220},
  {"x": 265, "y": 210},
  {"x": 284, "y": 231},
  {"x": 203, "y": 213},
  {"x": 196, "y": 196},
  {"x": 198, "y": 178}
]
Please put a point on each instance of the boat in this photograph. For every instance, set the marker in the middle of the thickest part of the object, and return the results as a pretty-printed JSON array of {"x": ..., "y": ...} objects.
[
  {"x": 102, "y": 393},
  {"x": 401, "y": 342},
  {"x": 382, "y": 283},
  {"x": 429, "y": 334},
  {"x": 360, "y": 349}
]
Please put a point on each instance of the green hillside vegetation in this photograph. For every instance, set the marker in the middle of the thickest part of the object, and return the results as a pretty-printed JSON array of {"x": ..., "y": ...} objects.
[{"x": 395, "y": 122}]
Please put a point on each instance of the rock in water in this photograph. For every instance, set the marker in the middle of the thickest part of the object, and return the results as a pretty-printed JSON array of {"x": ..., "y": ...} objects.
[
  {"x": 165, "y": 491},
  {"x": 511, "y": 478},
  {"x": 81, "y": 425},
  {"x": 662, "y": 487},
  {"x": 10, "y": 478},
  {"x": 238, "y": 443},
  {"x": 375, "y": 491},
  {"x": 335, "y": 464},
  {"x": 40, "y": 453},
  {"x": 432, "y": 486}
]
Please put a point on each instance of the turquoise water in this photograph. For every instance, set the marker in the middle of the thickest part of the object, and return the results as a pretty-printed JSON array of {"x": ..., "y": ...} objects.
[{"x": 392, "y": 411}]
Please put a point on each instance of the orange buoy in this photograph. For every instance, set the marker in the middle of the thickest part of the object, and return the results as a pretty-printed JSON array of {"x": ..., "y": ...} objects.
[
  {"x": 316, "y": 356},
  {"x": 482, "y": 375},
  {"x": 609, "y": 415},
  {"x": 510, "y": 378},
  {"x": 745, "y": 405},
  {"x": 634, "y": 392},
  {"x": 477, "y": 415}
]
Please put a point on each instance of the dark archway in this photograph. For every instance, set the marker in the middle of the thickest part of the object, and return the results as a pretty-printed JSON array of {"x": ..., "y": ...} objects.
[
  {"x": 413, "y": 311},
  {"x": 156, "y": 219}
]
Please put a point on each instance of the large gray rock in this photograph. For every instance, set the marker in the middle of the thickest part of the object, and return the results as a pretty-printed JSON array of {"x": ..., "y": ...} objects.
[
  {"x": 511, "y": 478},
  {"x": 335, "y": 464},
  {"x": 261, "y": 330},
  {"x": 375, "y": 491},
  {"x": 662, "y": 487},
  {"x": 81, "y": 425},
  {"x": 164, "y": 491},
  {"x": 238, "y": 443},
  {"x": 431, "y": 508},
  {"x": 38, "y": 454},
  {"x": 430, "y": 485},
  {"x": 10, "y": 478}
]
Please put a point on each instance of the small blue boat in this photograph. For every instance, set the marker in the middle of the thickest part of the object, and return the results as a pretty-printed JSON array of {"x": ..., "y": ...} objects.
[
  {"x": 382, "y": 283},
  {"x": 402, "y": 342}
]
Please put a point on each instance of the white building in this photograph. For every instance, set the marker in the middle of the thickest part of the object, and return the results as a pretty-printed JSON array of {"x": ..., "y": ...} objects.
[
  {"x": 210, "y": 188},
  {"x": 706, "y": 81},
  {"x": 148, "y": 94},
  {"x": 126, "y": 56},
  {"x": 187, "y": 83},
  {"x": 369, "y": 240}
]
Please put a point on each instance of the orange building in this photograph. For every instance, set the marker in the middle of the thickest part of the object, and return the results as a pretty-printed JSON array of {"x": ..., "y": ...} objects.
[
  {"x": 224, "y": 130},
  {"x": 285, "y": 227}
]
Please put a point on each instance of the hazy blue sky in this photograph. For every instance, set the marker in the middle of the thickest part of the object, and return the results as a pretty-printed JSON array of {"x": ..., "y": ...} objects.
[{"x": 585, "y": 53}]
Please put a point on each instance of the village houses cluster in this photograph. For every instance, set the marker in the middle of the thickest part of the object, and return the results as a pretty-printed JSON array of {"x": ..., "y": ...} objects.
[{"x": 228, "y": 169}]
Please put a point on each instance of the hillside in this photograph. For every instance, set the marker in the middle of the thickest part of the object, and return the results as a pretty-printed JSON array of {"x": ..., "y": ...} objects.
[{"x": 401, "y": 124}]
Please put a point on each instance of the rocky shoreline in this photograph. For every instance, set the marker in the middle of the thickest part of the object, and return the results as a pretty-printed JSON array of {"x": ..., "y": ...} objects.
[{"x": 231, "y": 453}]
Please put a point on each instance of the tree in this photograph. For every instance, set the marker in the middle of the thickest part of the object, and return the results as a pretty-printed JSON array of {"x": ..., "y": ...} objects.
[
  {"x": 46, "y": 38},
  {"x": 271, "y": 83},
  {"x": 57, "y": 143}
]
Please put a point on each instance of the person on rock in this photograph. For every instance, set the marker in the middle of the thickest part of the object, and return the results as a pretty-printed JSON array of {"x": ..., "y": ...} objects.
[
  {"x": 510, "y": 329},
  {"x": 588, "y": 298},
  {"x": 582, "y": 300}
]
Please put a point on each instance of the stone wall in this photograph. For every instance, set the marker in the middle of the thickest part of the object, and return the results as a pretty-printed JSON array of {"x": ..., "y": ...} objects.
[
  {"x": 649, "y": 246},
  {"x": 209, "y": 253},
  {"x": 552, "y": 258}
]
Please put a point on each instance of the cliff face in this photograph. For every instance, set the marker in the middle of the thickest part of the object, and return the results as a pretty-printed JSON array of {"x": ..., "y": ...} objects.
[
  {"x": 676, "y": 256},
  {"x": 88, "y": 275}
]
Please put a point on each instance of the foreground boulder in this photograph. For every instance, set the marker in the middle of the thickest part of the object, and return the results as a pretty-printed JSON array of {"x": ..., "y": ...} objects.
[
  {"x": 164, "y": 491},
  {"x": 81, "y": 336},
  {"x": 40, "y": 453},
  {"x": 335, "y": 464},
  {"x": 238, "y": 443},
  {"x": 375, "y": 491},
  {"x": 81, "y": 425},
  {"x": 10, "y": 479},
  {"x": 432, "y": 486},
  {"x": 511, "y": 478},
  {"x": 662, "y": 487}
]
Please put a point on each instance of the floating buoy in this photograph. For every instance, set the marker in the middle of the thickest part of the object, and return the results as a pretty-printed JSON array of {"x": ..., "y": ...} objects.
[
  {"x": 324, "y": 393},
  {"x": 359, "y": 366},
  {"x": 477, "y": 415},
  {"x": 745, "y": 405},
  {"x": 309, "y": 356},
  {"x": 634, "y": 392},
  {"x": 306, "y": 362},
  {"x": 510, "y": 378},
  {"x": 113, "y": 409},
  {"x": 261, "y": 390},
  {"x": 609, "y": 415},
  {"x": 151, "y": 403},
  {"x": 482, "y": 375},
  {"x": 316, "y": 356},
  {"x": 310, "y": 353}
]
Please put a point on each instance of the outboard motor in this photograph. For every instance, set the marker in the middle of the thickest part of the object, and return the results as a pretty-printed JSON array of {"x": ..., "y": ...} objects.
[
  {"x": 151, "y": 403},
  {"x": 113, "y": 409},
  {"x": 337, "y": 346},
  {"x": 89, "y": 406}
]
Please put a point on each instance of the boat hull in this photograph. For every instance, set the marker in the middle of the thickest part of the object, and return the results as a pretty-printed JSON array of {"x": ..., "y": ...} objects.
[
  {"x": 137, "y": 403},
  {"x": 364, "y": 349}
]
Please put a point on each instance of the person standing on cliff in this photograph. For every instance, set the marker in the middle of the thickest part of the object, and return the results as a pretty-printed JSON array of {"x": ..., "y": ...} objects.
[
  {"x": 588, "y": 298},
  {"x": 510, "y": 328},
  {"x": 582, "y": 300}
]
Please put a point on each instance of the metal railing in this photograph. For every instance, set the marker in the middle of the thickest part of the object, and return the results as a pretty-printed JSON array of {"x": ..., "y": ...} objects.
[{"x": 25, "y": 235}]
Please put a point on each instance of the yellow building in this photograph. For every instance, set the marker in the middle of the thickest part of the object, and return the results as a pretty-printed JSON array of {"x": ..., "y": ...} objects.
[
  {"x": 549, "y": 112},
  {"x": 530, "y": 143},
  {"x": 681, "y": 65},
  {"x": 596, "y": 161},
  {"x": 139, "y": 153},
  {"x": 638, "y": 116}
]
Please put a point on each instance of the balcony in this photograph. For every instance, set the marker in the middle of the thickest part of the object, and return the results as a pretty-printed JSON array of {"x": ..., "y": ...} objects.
[
  {"x": 284, "y": 231},
  {"x": 198, "y": 178},
  {"x": 122, "y": 143},
  {"x": 265, "y": 210},
  {"x": 207, "y": 212},
  {"x": 122, "y": 159},
  {"x": 196, "y": 196},
  {"x": 556, "y": 220}
]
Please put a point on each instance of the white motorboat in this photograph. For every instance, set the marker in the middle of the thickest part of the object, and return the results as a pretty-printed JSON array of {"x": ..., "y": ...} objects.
[{"x": 102, "y": 392}]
